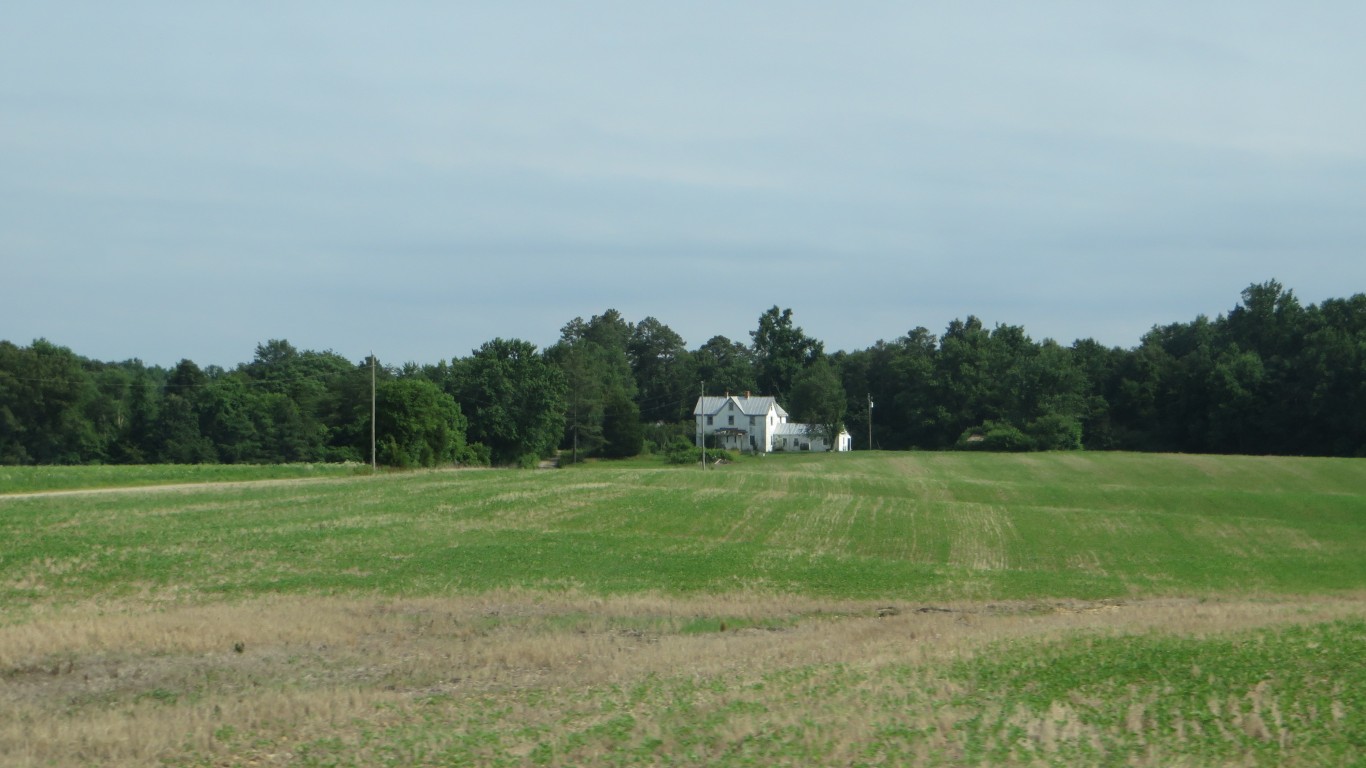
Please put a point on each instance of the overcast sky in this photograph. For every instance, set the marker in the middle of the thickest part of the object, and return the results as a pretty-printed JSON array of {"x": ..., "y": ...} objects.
[{"x": 187, "y": 180}]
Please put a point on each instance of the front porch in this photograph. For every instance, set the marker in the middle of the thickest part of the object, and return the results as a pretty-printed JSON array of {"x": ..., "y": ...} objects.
[{"x": 734, "y": 439}]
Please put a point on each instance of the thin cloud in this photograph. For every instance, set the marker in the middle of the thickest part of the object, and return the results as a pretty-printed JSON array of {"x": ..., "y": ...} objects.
[{"x": 182, "y": 181}]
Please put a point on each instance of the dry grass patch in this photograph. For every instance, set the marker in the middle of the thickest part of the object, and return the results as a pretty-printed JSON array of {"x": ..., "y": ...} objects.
[
  {"x": 131, "y": 683},
  {"x": 983, "y": 538}
]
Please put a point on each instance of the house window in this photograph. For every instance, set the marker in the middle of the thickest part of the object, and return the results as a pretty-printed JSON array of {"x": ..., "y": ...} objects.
[
  {"x": 730, "y": 420},
  {"x": 751, "y": 421},
  {"x": 709, "y": 421}
]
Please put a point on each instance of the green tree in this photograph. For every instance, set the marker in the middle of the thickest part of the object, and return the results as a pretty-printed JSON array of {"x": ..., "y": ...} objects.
[
  {"x": 418, "y": 425},
  {"x": 1097, "y": 364},
  {"x": 108, "y": 409},
  {"x": 1333, "y": 365},
  {"x": 514, "y": 400},
  {"x": 345, "y": 409},
  {"x": 905, "y": 392},
  {"x": 176, "y": 435},
  {"x": 135, "y": 444},
  {"x": 1054, "y": 399},
  {"x": 1184, "y": 384},
  {"x": 581, "y": 362},
  {"x": 288, "y": 433},
  {"x": 962, "y": 382},
  {"x": 592, "y": 355},
  {"x": 658, "y": 359},
  {"x": 1137, "y": 398},
  {"x": 229, "y": 415},
  {"x": 781, "y": 351},
  {"x": 307, "y": 379},
  {"x": 12, "y": 427},
  {"x": 610, "y": 334},
  {"x": 623, "y": 435},
  {"x": 818, "y": 399},
  {"x": 1010, "y": 384},
  {"x": 1236, "y": 418},
  {"x": 869, "y": 374},
  {"x": 1269, "y": 321},
  {"x": 49, "y": 405},
  {"x": 723, "y": 366},
  {"x": 186, "y": 379}
]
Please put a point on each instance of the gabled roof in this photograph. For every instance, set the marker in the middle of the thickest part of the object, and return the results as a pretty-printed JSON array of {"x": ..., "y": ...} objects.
[{"x": 748, "y": 405}]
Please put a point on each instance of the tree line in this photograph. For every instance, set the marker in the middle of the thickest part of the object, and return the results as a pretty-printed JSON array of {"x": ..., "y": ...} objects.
[{"x": 1272, "y": 376}]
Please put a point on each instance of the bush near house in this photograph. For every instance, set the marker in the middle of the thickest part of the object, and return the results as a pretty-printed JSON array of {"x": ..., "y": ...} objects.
[{"x": 684, "y": 451}]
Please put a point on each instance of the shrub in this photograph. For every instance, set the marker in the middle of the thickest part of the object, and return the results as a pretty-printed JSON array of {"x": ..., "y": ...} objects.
[
  {"x": 995, "y": 436},
  {"x": 661, "y": 436},
  {"x": 474, "y": 455},
  {"x": 1055, "y": 432},
  {"x": 717, "y": 455},
  {"x": 683, "y": 451}
]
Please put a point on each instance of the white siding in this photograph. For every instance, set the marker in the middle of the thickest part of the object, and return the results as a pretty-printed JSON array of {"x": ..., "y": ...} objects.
[
  {"x": 763, "y": 421},
  {"x": 757, "y": 416}
]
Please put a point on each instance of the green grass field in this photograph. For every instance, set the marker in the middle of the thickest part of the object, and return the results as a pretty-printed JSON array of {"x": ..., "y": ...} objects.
[
  {"x": 913, "y": 526},
  {"x": 63, "y": 478},
  {"x": 860, "y": 609}
]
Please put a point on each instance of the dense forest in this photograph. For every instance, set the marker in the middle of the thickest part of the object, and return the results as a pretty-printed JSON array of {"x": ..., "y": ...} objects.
[{"x": 1271, "y": 376}]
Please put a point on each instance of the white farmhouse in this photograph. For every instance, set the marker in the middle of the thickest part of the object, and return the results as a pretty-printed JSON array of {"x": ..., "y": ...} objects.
[{"x": 757, "y": 424}]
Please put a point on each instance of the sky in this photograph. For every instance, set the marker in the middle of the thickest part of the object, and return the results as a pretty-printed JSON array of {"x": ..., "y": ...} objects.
[{"x": 189, "y": 180}]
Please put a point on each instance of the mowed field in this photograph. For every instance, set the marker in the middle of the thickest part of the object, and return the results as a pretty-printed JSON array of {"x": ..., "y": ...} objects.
[{"x": 859, "y": 609}]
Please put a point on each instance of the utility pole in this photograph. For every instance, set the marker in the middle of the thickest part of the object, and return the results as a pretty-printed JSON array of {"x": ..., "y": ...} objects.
[
  {"x": 870, "y": 421},
  {"x": 702, "y": 414},
  {"x": 373, "y": 411}
]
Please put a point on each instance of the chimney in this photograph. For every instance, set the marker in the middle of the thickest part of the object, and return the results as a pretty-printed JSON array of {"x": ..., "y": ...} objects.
[
  {"x": 747, "y": 394},
  {"x": 728, "y": 394}
]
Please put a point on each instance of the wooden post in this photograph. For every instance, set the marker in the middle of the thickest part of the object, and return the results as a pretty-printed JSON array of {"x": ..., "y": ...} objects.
[{"x": 374, "y": 466}]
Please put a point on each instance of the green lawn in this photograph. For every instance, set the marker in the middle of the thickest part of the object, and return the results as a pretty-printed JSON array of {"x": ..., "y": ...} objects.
[
  {"x": 25, "y": 479},
  {"x": 867, "y": 526},
  {"x": 865, "y": 609}
]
